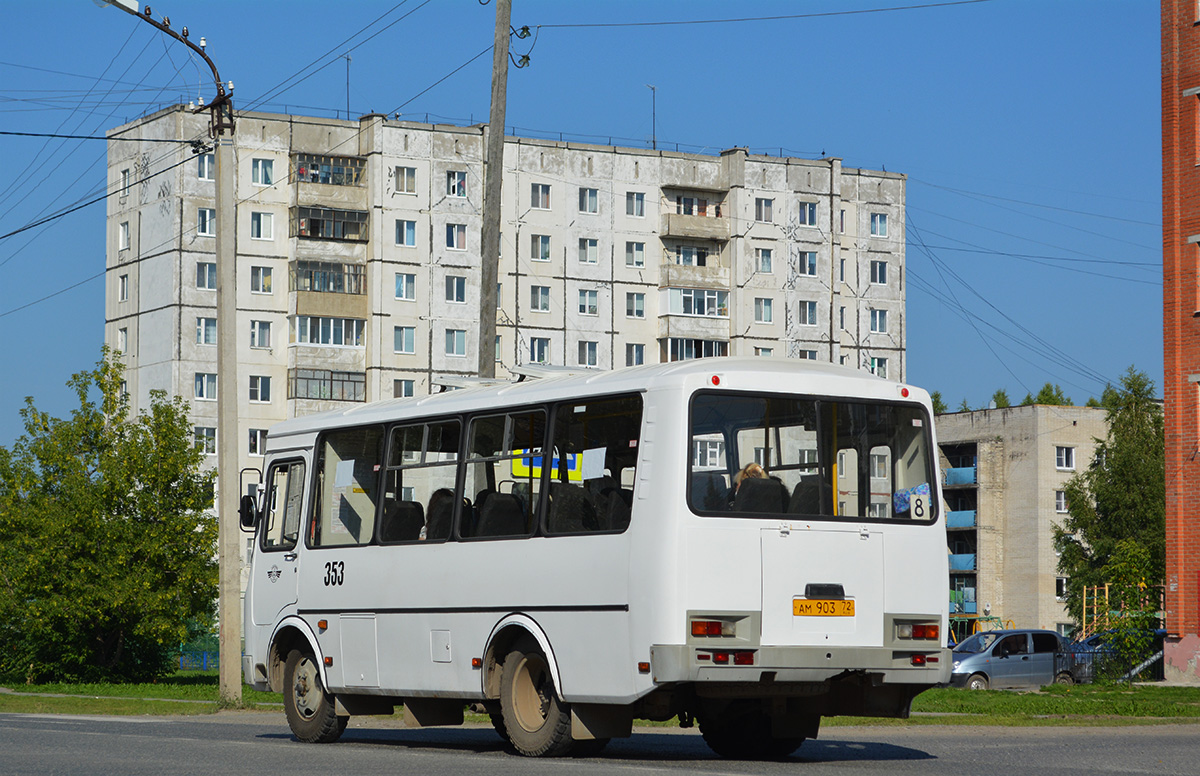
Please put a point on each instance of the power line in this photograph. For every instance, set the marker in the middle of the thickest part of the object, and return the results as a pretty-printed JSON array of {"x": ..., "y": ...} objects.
[
  {"x": 56, "y": 293},
  {"x": 763, "y": 18},
  {"x": 92, "y": 137},
  {"x": 1105, "y": 216}
]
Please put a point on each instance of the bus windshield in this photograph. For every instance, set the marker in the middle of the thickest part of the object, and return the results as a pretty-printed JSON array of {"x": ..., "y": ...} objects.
[{"x": 820, "y": 457}]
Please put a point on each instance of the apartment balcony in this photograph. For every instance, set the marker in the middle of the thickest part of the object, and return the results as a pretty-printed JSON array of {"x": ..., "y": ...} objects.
[
  {"x": 695, "y": 227},
  {"x": 962, "y": 562},
  {"x": 962, "y": 518},
  {"x": 713, "y": 275},
  {"x": 963, "y": 607},
  {"x": 961, "y": 475}
]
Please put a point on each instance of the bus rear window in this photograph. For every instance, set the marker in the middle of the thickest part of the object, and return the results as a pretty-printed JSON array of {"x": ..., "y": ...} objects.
[{"x": 820, "y": 457}]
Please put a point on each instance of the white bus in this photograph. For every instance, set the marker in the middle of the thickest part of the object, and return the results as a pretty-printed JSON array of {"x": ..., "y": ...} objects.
[{"x": 572, "y": 553}]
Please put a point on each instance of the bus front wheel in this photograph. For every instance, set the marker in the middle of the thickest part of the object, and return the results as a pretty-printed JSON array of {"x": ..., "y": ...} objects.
[
  {"x": 310, "y": 710},
  {"x": 537, "y": 723}
]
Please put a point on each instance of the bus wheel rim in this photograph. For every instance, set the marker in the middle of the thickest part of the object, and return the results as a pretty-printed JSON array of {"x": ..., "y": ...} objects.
[
  {"x": 307, "y": 689},
  {"x": 530, "y": 687}
]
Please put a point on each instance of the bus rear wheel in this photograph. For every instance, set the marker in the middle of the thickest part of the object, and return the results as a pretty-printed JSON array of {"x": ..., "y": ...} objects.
[
  {"x": 742, "y": 731},
  {"x": 310, "y": 710},
  {"x": 537, "y": 723}
]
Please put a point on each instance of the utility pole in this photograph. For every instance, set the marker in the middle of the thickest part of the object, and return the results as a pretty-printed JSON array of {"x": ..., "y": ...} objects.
[
  {"x": 653, "y": 116},
  {"x": 229, "y": 529},
  {"x": 493, "y": 173},
  {"x": 347, "y": 86}
]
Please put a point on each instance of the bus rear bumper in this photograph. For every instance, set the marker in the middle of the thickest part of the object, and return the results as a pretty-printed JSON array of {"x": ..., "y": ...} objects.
[{"x": 765, "y": 666}]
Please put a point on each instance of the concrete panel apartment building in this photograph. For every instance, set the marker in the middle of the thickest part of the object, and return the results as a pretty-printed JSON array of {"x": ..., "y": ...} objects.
[
  {"x": 358, "y": 260},
  {"x": 1003, "y": 473}
]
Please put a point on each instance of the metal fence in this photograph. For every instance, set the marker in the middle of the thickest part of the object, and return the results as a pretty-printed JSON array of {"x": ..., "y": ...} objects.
[{"x": 199, "y": 661}]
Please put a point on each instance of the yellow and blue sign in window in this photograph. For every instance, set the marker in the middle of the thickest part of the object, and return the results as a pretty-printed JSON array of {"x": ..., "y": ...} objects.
[{"x": 530, "y": 466}]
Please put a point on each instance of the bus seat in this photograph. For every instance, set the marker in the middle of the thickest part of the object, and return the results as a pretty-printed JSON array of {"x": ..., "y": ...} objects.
[
  {"x": 612, "y": 502},
  {"x": 757, "y": 494},
  {"x": 501, "y": 515},
  {"x": 572, "y": 509},
  {"x": 402, "y": 523},
  {"x": 709, "y": 490},
  {"x": 440, "y": 513},
  {"x": 806, "y": 498}
]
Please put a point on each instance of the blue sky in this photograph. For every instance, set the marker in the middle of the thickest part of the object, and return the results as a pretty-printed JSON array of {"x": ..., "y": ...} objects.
[{"x": 1029, "y": 130}]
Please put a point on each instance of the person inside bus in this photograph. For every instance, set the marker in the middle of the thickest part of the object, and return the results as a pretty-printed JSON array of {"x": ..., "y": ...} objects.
[{"x": 755, "y": 491}]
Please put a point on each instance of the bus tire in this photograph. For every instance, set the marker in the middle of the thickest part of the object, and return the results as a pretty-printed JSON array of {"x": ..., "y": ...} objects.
[
  {"x": 310, "y": 710},
  {"x": 977, "y": 682},
  {"x": 743, "y": 732},
  {"x": 1064, "y": 678},
  {"x": 537, "y": 723}
]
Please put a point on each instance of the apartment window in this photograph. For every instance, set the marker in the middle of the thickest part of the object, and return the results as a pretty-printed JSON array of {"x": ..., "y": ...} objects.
[
  {"x": 206, "y": 222},
  {"x": 762, "y": 260},
  {"x": 402, "y": 388},
  {"x": 808, "y": 214},
  {"x": 635, "y": 254},
  {"x": 635, "y": 204},
  {"x": 879, "y": 321},
  {"x": 589, "y": 201},
  {"x": 333, "y": 170},
  {"x": 258, "y": 441},
  {"x": 260, "y": 389},
  {"x": 406, "y": 286},
  {"x": 262, "y": 226},
  {"x": 206, "y": 275},
  {"x": 1060, "y": 588},
  {"x": 123, "y": 288},
  {"x": 589, "y": 302},
  {"x": 406, "y": 180},
  {"x": 842, "y": 270},
  {"x": 806, "y": 263},
  {"x": 539, "y": 247},
  {"x": 635, "y": 354},
  {"x": 699, "y": 301},
  {"x": 206, "y": 165},
  {"x": 810, "y": 355},
  {"x": 587, "y": 353},
  {"x": 123, "y": 236},
  {"x": 879, "y": 224},
  {"x": 806, "y": 313},
  {"x": 206, "y": 439},
  {"x": 879, "y": 367},
  {"x": 1060, "y": 501},
  {"x": 329, "y": 224},
  {"x": 879, "y": 467},
  {"x": 763, "y": 209},
  {"x": 496, "y": 355},
  {"x": 680, "y": 349},
  {"x": 766, "y": 352},
  {"x": 691, "y": 206},
  {"x": 456, "y": 183},
  {"x": 123, "y": 339},
  {"x": 1064, "y": 458},
  {"x": 539, "y": 196},
  {"x": 406, "y": 233},
  {"x": 691, "y": 256},
  {"x": 589, "y": 250},
  {"x": 404, "y": 339},
  {"x": 762, "y": 310},
  {"x": 456, "y": 289},
  {"x": 539, "y": 350},
  {"x": 539, "y": 299},
  {"x": 262, "y": 172},
  {"x": 125, "y": 178},
  {"x": 206, "y": 331},
  {"x": 842, "y": 318},
  {"x": 329, "y": 277},
  {"x": 635, "y": 305},
  {"x": 879, "y": 273},
  {"x": 842, "y": 221},
  {"x": 206, "y": 385},
  {"x": 260, "y": 280},
  {"x": 456, "y": 342},
  {"x": 313, "y": 330},
  {"x": 260, "y": 334},
  {"x": 327, "y": 384},
  {"x": 456, "y": 237}
]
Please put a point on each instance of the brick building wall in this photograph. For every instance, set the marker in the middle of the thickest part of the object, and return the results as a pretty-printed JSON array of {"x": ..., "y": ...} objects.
[{"x": 1181, "y": 331}]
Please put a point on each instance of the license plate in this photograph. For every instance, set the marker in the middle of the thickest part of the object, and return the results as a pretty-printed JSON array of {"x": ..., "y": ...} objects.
[{"x": 805, "y": 607}]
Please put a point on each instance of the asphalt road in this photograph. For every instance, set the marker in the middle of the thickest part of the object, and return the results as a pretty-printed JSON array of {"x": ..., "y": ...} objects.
[{"x": 256, "y": 743}]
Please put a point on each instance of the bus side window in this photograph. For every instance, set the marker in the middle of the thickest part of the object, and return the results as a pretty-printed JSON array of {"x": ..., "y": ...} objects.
[
  {"x": 281, "y": 525},
  {"x": 504, "y": 450},
  {"x": 595, "y": 451},
  {"x": 348, "y": 466}
]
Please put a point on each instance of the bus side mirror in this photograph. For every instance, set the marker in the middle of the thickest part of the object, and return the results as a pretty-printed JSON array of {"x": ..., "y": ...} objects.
[{"x": 247, "y": 513}]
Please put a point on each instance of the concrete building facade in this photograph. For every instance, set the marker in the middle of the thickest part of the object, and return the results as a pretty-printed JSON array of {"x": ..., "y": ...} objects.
[
  {"x": 358, "y": 260},
  {"x": 1003, "y": 476},
  {"x": 1181, "y": 333}
]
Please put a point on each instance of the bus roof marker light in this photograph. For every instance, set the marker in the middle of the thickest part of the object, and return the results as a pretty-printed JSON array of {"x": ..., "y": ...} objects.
[
  {"x": 715, "y": 380},
  {"x": 903, "y": 392}
]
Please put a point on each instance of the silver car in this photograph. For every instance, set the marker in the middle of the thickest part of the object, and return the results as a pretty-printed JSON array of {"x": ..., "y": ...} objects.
[{"x": 1011, "y": 658}]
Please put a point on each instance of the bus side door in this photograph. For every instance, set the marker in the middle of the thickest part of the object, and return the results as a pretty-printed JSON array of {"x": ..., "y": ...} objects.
[{"x": 276, "y": 559}]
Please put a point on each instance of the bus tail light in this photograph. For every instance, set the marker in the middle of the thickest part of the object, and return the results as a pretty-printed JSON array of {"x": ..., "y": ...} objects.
[
  {"x": 918, "y": 660},
  {"x": 712, "y": 628},
  {"x": 918, "y": 630},
  {"x": 743, "y": 658},
  {"x": 721, "y": 658},
  {"x": 928, "y": 632}
]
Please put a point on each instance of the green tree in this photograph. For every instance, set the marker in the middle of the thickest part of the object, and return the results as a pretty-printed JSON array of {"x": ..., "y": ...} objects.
[
  {"x": 1000, "y": 399},
  {"x": 107, "y": 550},
  {"x": 964, "y": 407},
  {"x": 939, "y": 405},
  {"x": 1120, "y": 496},
  {"x": 1051, "y": 393}
]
